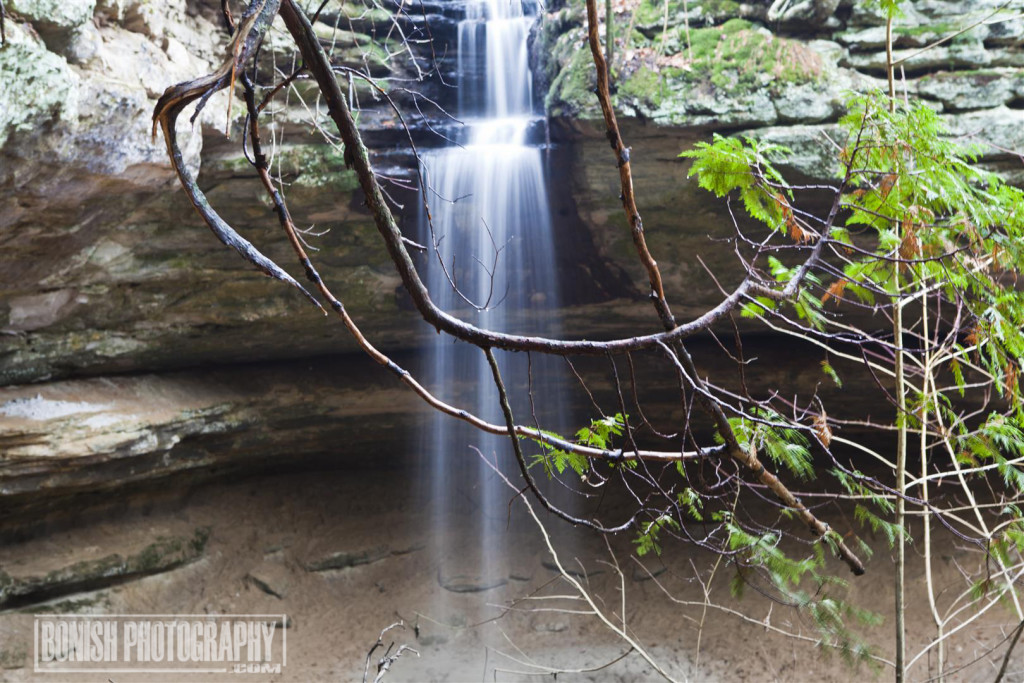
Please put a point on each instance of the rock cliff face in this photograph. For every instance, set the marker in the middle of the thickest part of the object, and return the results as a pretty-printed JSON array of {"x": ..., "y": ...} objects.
[
  {"x": 105, "y": 268},
  {"x": 104, "y": 264},
  {"x": 721, "y": 65},
  {"x": 779, "y": 71}
]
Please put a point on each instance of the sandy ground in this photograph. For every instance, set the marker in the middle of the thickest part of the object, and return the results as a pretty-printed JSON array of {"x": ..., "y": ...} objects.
[{"x": 273, "y": 526}]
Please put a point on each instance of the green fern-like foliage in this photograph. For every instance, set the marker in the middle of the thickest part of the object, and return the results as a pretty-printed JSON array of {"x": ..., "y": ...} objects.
[
  {"x": 647, "y": 539},
  {"x": 805, "y": 583},
  {"x": 599, "y": 433},
  {"x": 918, "y": 220},
  {"x": 727, "y": 165},
  {"x": 768, "y": 431}
]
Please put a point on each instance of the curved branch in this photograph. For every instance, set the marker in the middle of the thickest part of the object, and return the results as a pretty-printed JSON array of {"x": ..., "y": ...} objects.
[
  {"x": 255, "y": 22},
  {"x": 678, "y": 354}
]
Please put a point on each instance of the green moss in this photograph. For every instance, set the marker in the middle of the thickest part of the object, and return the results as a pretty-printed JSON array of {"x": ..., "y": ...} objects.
[
  {"x": 573, "y": 89},
  {"x": 650, "y": 17},
  {"x": 644, "y": 85},
  {"x": 735, "y": 26},
  {"x": 637, "y": 40},
  {"x": 314, "y": 165},
  {"x": 560, "y": 35},
  {"x": 721, "y": 8},
  {"x": 941, "y": 28},
  {"x": 737, "y": 58},
  {"x": 706, "y": 44},
  {"x": 651, "y": 13},
  {"x": 320, "y": 166}
]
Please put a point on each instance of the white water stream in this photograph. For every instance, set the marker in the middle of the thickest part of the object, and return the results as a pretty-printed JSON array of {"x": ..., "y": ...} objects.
[{"x": 493, "y": 231}]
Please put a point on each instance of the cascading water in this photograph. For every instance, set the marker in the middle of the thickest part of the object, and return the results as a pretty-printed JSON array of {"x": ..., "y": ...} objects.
[{"x": 494, "y": 265}]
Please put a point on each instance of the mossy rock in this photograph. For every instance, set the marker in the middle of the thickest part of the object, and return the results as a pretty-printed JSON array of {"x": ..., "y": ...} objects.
[
  {"x": 317, "y": 165},
  {"x": 13, "y": 657},
  {"x": 39, "y": 86},
  {"x": 320, "y": 166},
  {"x": 55, "y": 20},
  {"x": 653, "y": 16},
  {"x": 347, "y": 559},
  {"x": 725, "y": 74},
  {"x": 164, "y": 554},
  {"x": 645, "y": 86},
  {"x": 730, "y": 72},
  {"x": 378, "y": 56},
  {"x": 572, "y": 91},
  {"x": 738, "y": 57},
  {"x": 360, "y": 15}
]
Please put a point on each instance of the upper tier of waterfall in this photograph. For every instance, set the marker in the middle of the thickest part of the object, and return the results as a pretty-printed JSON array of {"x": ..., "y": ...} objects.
[{"x": 494, "y": 68}]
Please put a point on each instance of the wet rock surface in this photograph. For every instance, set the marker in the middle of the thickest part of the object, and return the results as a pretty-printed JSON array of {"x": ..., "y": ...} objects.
[
  {"x": 88, "y": 439},
  {"x": 105, "y": 267}
]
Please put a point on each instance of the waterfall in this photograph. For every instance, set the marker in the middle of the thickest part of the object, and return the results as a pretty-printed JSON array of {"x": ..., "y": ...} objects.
[{"x": 492, "y": 226}]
